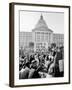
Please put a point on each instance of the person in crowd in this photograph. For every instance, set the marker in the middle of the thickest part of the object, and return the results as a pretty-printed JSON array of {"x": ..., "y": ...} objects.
[
  {"x": 21, "y": 60},
  {"x": 51, "y": 69},
  {"x": 46, "y": 62},
  {"x": 50, "y": 60},
  {"x": 37, "y": 59},
  {"x": 34, "y": 71},
  {"x": 41, "y": 59},
  {"x": 57, "y": 59},
  {"x": 20, "y": 65},
  {"x": 31, "y": 58},
  {"x": 23, "y": 74},
  {"x": 61, "y": 62},
  {"x": 51, "y": 64}
]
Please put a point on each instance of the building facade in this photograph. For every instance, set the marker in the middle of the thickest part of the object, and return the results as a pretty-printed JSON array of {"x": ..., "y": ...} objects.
[
  {"x": 41, "y": 37},
  {"x": 24, "y": 39},
  {"x": 58, "y": 39}
]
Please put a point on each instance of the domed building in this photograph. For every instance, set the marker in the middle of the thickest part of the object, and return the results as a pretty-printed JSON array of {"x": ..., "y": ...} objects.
[{"x": 42, "y": 35}]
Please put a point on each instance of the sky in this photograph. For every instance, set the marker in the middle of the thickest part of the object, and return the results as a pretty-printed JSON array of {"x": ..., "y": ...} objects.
[{"x": 54, "y": 20}]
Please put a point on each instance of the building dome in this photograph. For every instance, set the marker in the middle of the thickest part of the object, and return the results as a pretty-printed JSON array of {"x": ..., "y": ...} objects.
[{"x": 41, "y": 25}]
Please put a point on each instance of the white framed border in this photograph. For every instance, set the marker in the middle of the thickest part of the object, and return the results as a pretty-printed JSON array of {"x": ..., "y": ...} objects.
[{"x": 16, "y": 46}]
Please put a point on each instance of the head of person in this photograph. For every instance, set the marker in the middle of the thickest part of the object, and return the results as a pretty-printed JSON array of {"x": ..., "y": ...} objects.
[
  {"x": 58, "y": 49},
  {"x": 34, "y": 64}
]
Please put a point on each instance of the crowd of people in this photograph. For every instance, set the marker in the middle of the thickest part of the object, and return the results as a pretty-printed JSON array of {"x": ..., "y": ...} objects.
[{"x": 42, "y": 65}]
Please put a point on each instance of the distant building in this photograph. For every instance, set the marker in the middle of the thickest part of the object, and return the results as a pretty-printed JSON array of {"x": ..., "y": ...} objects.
[
  {"x": 24, "y": 39},
  {"x": 58, "y": 39},
  {"x": 41, "y": 37}
]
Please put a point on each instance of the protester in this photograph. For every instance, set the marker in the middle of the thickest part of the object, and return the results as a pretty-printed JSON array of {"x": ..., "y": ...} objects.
[
  {"x": 23, "y": 74},
  {"x": 33, "y": 71}
]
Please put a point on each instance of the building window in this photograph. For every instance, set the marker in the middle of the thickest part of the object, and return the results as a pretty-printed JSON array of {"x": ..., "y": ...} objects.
[
  {"x": 42, "y": 36},
  {"x": 38, "y": 36},
  {"x": 49, "y": 37},
  {"x": 46, "y": 37}
]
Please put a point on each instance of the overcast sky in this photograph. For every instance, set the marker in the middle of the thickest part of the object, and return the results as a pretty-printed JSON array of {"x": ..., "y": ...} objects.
[{"x": 28, "y": 20}]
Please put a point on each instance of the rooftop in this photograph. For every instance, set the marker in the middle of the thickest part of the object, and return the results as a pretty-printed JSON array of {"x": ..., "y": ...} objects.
[{"x": 41, "y": 25}]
